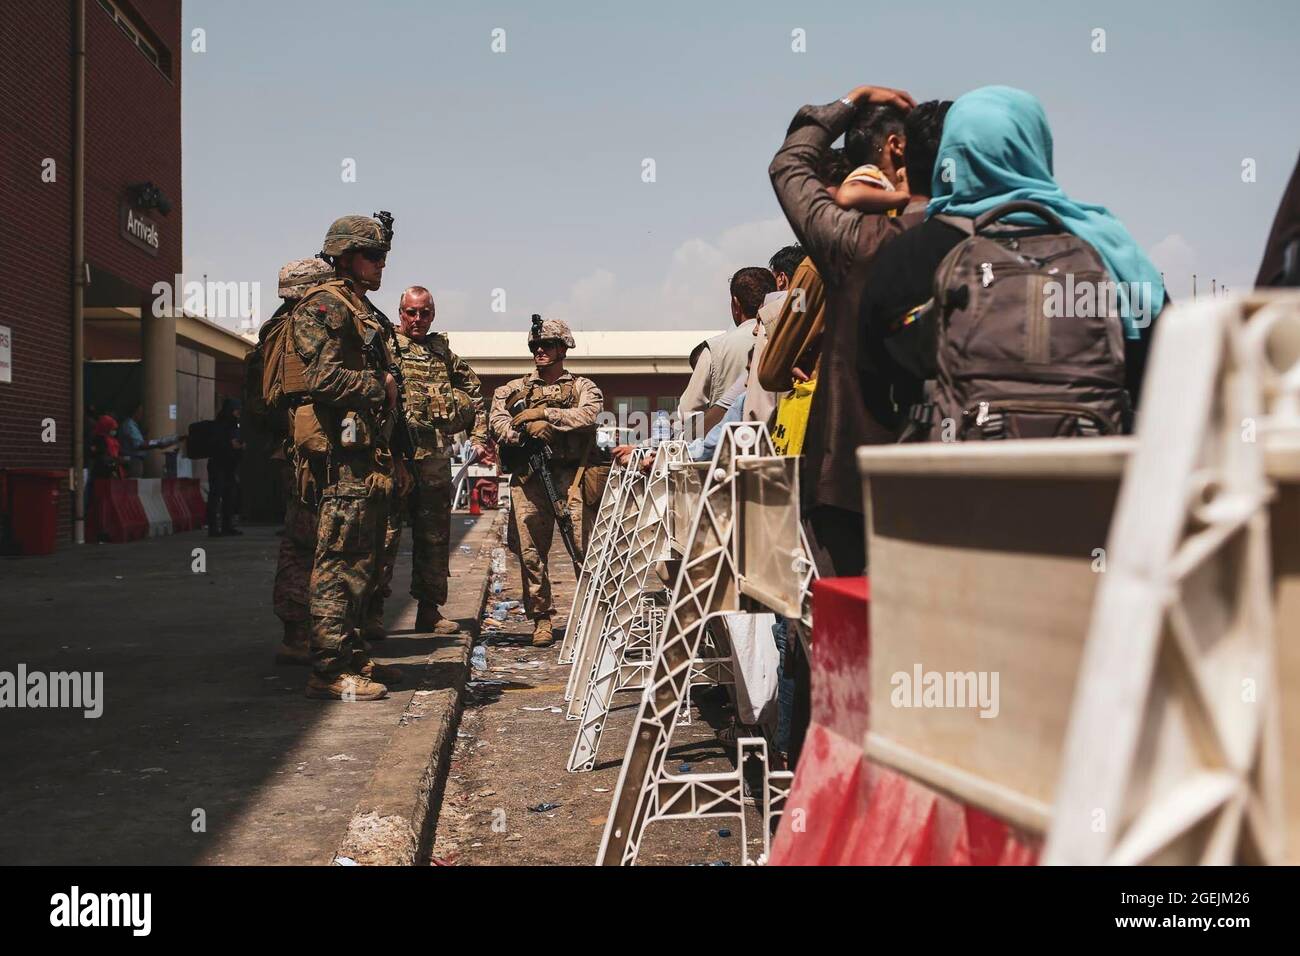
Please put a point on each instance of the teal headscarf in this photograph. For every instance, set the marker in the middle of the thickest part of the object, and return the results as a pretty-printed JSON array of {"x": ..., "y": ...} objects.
[{"x": 997, "y": 147}]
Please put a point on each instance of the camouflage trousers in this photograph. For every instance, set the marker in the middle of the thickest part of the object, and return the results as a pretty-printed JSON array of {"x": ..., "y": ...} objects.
[
  {"x": 428, "y": 511},
  {"x": 532, "y": 530},
  {"x": 291, "y": 595},
  {"x": 345, "y": 572}
]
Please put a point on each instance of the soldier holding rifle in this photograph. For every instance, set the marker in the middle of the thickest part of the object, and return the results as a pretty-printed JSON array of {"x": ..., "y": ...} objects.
[{"x": 545, "y": 424}]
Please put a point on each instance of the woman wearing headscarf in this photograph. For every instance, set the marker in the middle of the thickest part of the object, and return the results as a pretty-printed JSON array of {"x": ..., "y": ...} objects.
[
  {"x": 104, "y": 462},
  {"x": 997, "y": 148},
  {"x": 106, "y": 450}
]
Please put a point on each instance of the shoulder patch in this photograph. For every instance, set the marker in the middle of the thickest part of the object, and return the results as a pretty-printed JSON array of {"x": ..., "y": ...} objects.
[{"x": 326, "y": 307}]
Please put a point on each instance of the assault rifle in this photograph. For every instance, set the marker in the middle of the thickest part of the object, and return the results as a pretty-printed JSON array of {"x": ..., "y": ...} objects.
[
  {"x": 539, "y": 460},
  {"x": 387, "y": 358},
  {"x": 384, "y": 359}
]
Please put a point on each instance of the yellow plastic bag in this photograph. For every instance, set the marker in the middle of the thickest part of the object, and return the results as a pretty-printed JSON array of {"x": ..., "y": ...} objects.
[{"x": 792, "y": 418}]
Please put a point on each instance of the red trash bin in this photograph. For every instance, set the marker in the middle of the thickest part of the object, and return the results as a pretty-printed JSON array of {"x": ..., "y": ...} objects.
[{"x": 33, "y": 505}]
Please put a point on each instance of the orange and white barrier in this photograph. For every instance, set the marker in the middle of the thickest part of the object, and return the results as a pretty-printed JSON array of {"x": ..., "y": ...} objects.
[
  {"x": 127, "y": 509},
  {"x": 845, "y": 809}
]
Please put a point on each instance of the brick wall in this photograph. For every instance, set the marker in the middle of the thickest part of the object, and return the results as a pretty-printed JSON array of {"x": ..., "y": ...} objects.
[
  {"x": 36, "y": 86},
  {"x": 132, "y": 134}
]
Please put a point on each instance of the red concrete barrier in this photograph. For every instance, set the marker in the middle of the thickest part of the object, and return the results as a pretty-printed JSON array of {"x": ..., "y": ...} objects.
[
  {"x": 119, "y": 512},
  {"x": 845, "y": 810},
  {"x": 487, "y": 492},
  {"x": 194, "y": 503},
  {"x": 116, "y": 511},
  {"x": 179, "y": 506}
]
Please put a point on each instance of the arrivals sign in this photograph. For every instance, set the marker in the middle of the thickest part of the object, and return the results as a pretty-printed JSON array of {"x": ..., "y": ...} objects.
[{"x": 139, "y": 229}]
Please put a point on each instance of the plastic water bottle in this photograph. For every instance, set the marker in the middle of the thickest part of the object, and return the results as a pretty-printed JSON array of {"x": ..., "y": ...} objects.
[{"x": 662, "y": 429}]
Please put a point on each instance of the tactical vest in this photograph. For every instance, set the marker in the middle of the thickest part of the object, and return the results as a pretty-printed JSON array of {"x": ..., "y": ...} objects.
[
  {"x": 319, "y": 428},
  {"x": 569, "y": 447},
  {"x": 433, "y": 408}
]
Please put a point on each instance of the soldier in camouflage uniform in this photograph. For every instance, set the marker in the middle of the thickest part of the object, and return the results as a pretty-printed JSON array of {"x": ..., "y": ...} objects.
[
  {"x": 561, "y": 410},
  {"x": 342, "y": 440},
  {"x": 298, "y": 546},
  {"x": 443, "y": 397}
]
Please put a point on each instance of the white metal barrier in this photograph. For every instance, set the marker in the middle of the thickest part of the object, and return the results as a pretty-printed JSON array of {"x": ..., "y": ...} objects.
[
  {"x": 1138, "y": 598},
  {"x": 728, "y": 565}
]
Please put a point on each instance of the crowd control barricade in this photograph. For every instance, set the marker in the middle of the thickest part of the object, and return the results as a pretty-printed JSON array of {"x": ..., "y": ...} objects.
[
  {"x": 128, "y": 509},
  {"x": 1083, "y": 651},
  {"x": 593, "y": 564},
  {"x": 727, "y": 566},
  {"x": 603, "y": 585},
  {"x": 116, "y": 512},
  {"x": 1184, "y": 737},
  {"x": 843, "y": 809},
  {"x": 178, "y": 507},
  {"x": 614, "y": 659}
]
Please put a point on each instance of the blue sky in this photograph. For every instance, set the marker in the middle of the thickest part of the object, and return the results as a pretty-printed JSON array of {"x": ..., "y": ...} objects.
[{"x": 522, "y": 170}]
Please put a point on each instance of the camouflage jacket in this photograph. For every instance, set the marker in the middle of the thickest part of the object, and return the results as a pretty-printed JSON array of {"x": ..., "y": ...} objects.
[
  {"x": 572, "y": 405},
  {"x": 443, "y": 395},
  {"x": 328, "y": 328}
]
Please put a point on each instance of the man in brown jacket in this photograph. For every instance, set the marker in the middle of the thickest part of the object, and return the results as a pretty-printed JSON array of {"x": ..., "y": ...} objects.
[{"x": 842, "y": 244}]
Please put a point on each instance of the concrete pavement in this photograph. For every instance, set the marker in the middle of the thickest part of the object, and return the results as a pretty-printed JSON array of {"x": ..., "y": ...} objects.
[{"x": 206, "y": 752}]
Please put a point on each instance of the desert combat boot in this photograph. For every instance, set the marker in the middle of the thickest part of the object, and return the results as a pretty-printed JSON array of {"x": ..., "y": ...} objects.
[
  {"x": 382, "y": 673},
  {"x": 296, "y": 648},
  {"x": 430, "y": 618},
  {"x": 344, "y": 686},
  {"x": 542, "y": 633}
]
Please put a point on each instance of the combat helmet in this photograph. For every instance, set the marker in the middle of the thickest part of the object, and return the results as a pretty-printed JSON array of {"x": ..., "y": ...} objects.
[
  {"x": 549, "y": 329},
  {"x": 355, "y": 232},
  {"x": 298, "y": 276}
]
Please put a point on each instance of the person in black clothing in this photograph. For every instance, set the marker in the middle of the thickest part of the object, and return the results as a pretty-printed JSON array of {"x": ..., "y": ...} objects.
[
  {"x": 223, "y": 471},
  {"x": 896, "y": 356},
  {"x": 900, "y": 278},
  {"x": 842, "y": 244},
  {"x": 1281, "y": 265}
]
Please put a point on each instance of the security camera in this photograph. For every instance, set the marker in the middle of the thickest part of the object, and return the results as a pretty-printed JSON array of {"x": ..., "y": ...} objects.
[{"x": 148, "y": 196}]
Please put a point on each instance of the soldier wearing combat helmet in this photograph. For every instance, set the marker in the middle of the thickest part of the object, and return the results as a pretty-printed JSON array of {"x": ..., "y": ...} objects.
[
  {"x": 443, "y": 397},
  {"x": 560, "y": 409},
  {"x": 341, "y": 438},
  {"x": 299, "y": 275},
  {"x": 289, "y": 596}
]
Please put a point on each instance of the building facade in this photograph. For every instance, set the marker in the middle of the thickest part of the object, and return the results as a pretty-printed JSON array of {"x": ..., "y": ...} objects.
[
  {"x": 642, "y": 371},
  {"x": 132, "y": 211}
]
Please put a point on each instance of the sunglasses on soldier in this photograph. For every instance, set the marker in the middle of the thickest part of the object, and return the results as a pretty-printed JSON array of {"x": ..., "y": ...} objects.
[
  {"x": 547, "y": 344},
  {"x": 374, "y": 255}
]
